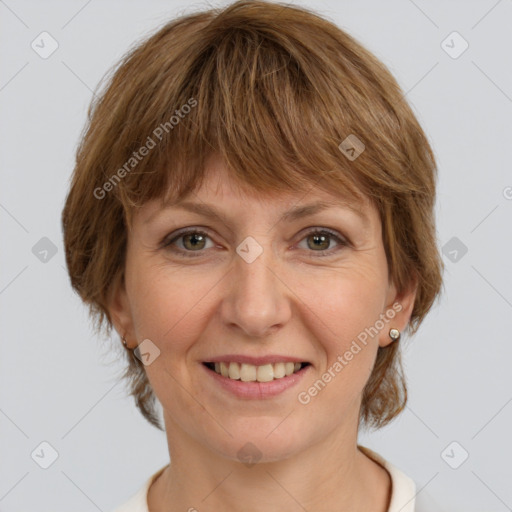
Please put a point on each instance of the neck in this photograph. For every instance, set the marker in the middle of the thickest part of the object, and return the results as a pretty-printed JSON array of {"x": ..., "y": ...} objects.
[{"x": 332, "y": 475}]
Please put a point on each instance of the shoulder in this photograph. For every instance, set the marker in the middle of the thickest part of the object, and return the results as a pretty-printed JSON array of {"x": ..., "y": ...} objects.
[
  {"x": 138, "y": 502},
  {"x": 405, "y": 495}
]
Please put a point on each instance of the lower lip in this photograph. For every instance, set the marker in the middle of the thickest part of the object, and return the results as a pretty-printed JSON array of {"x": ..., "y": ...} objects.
[{"x": 257, "y": 390}]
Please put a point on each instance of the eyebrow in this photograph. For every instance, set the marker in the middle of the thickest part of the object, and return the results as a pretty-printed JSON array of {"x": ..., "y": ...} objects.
[{"x": 291, "y": 215}]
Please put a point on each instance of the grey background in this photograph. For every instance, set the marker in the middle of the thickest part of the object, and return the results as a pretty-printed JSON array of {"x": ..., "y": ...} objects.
[{"x": 60, "y": 384}]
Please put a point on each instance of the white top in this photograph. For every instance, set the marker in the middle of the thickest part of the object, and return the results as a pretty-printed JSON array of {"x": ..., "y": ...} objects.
[{"x": 403, "y": 491}]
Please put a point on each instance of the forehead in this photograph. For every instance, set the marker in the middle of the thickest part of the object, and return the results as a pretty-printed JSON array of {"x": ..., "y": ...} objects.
[
  {"x": 220, "y": 184},
  {"x": 220, "y": 194}
]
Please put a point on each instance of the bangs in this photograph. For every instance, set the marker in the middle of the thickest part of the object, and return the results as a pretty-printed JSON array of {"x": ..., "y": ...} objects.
[{"x": 266, "y": 108}]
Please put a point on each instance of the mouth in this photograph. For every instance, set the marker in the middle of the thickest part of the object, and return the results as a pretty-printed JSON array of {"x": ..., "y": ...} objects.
[{"x": 250, "y": 373}]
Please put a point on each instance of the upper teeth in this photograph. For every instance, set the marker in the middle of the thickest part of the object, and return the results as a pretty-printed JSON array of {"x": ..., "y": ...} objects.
[{"x": 251, "y": 373}]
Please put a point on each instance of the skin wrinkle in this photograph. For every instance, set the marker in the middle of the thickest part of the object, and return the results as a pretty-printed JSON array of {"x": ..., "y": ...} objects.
[
  {"x": 351, "y": 231},
  {"x": 310, "y": 307}
]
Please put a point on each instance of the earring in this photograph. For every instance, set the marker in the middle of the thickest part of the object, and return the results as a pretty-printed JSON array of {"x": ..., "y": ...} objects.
[
  {"x": 124, "y": 342},
  {"x": 394, "y": 334}
]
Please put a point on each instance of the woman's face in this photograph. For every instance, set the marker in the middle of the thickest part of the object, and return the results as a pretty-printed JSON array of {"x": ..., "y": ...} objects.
[{"x": 267, "y": 278}]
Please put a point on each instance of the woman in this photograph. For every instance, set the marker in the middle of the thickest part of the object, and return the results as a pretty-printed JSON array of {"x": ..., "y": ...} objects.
[{"x": 252, "y": 211}]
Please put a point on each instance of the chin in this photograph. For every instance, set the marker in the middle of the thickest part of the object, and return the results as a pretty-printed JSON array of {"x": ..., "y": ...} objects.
[
  {"x": 250, "y": 453},
  {"x": 259, "y": 443}
]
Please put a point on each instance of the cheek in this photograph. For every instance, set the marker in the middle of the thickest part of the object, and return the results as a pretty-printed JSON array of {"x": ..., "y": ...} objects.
[
  {"x": 346, "y": 300},
  {"x": 341, "y": 308},
  {"x": 168, "y": 306}
]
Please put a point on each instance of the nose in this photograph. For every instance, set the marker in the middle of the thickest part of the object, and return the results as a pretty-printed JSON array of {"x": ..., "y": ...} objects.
[{"x": 257, "y": 301}]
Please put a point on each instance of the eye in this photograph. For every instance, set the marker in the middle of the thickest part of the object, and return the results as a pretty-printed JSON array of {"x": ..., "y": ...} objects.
[
  {"x": 319, "y": 241},
  {"x": 191, "y": 241}
]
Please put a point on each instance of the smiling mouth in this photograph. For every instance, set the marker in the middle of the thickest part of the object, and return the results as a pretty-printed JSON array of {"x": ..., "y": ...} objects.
[{"x": 250, "y": 373}]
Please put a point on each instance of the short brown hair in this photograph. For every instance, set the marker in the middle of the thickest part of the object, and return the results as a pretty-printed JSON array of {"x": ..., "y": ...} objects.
[{"x": 273, "y": 90}]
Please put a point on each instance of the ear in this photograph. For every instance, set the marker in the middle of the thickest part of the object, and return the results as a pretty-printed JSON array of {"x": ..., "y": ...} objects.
[
  {"x": 120, "y": 311},
  {"x": 398, "y": 311}
]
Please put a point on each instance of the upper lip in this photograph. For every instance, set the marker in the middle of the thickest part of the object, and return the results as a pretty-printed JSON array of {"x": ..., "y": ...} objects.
[{"x": 256, "y": 361}]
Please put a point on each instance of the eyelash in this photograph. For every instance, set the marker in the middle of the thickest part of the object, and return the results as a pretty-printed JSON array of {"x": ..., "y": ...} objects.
[{"x": 167, "y": 242}]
